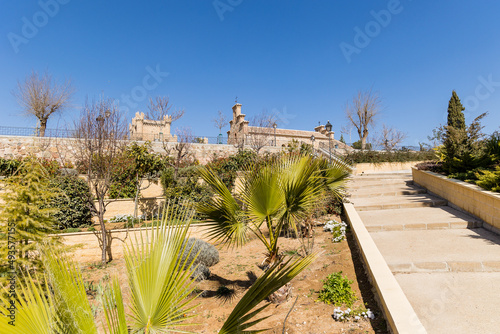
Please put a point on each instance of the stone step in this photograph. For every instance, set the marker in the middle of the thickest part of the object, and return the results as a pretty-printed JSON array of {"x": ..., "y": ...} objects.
[
  {"x": 396, "y": 202},
  {"x": 391, "y": 190},
  {"x": 426, "y": 218},
  {"x": 453, "y": 246},
  {"x": 445, "y": 266},
  {"x": 354, "y": 184},
  {"x": 382, "y": 176}
]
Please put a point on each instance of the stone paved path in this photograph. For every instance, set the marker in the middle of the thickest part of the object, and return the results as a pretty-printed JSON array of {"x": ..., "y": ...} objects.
[{"x": 446, "y": 264}]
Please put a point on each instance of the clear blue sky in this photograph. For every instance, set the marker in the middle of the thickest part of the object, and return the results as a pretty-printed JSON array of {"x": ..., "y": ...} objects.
[{"x": 281, "y": 56}]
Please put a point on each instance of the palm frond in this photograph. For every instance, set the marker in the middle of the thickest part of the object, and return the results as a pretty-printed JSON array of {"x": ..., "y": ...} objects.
[
  {"x": 34, "y": 313},
  {"x": 265, "y": 197},
  {"x": 278, "y": 275},
  {"x": 114, "y": 310},
  {"x": 226, "y": 221},
  {"x": 301, "y": 188},
  {"x": 160, "y": 288},
  {"x": 72, "y": 307},
  {"x": 335, "y": 175}
]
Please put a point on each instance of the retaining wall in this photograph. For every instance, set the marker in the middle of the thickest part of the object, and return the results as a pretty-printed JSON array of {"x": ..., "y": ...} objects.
[
  {"x": 146, "y": 205},
  {"x": 62, "y": 148},
  {"x": 481, "y": 203},
  {"x": 366, "y": 168},
  {"x": 89, "y": 250}
]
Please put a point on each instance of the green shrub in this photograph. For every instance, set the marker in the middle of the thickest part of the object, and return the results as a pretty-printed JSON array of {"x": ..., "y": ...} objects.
[
  {"x": 123, "y": 183},
  {"x": 227, "y": 168},
  {"x": 72, "y": 202},
  {"x": 357, "y": 145},
  {"x": 492, "y": 149},
  {"x": 8, "y": 166},
  {"x": 130, "y": 223},
  {"x": 489, "y": 180},
  {"x": 187, "y": 185},
  {"x": 71, "y": 230},
  {"x": 337, "y": 290},
  {"x": 467, "y": 176}
]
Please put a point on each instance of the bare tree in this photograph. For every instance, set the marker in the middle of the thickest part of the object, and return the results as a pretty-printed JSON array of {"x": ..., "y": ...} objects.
[
  {"x": 40, "y": 96},
  {"x": 220, "y": 121},
  {"x": 181, "y": 150},
  {"x": 390, "y": 137},
  {"x": 263, "y": 130},
  {"x": 99, "y": 145},
  {"x": 361, "y": 112},
  {"x": 160, "y": 107}
]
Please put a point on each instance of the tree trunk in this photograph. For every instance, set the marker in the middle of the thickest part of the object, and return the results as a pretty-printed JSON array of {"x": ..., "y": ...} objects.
[
  {"x": 103, "y": 232},
  {"x": 43, "y": 125},
  {"x": 363, "y": 139},
  {"x": 137, "y": 190}
]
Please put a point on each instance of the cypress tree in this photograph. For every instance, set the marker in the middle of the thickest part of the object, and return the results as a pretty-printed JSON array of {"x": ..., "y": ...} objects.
[
  {"x": 462, "y": 150},
  {"x": 342, "y": 138},
  {"x": 455, "y": 134},
  {"x": 456, "y": 118}
]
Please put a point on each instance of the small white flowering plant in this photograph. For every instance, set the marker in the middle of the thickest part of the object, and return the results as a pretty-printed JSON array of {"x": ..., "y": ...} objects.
[
  {"x": 121, "y": 218},
  {"x": 338, "y": 230},
  {"x": 129, "y": 219},
  {"x": 355, "y": 314}
]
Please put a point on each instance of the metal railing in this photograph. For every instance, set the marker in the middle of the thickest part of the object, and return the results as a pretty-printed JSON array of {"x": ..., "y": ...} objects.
[
  {"x": 35, "y": 132},
  {"x": 64, "y": 133}
]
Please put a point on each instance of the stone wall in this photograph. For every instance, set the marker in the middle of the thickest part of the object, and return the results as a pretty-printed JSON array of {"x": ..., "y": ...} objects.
[
  {"x": 61, "y": 148},
  {"x": 468, "y": 197}
]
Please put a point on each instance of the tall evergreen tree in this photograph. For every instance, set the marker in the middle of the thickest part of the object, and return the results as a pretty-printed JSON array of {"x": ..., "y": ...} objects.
[
  {"x": 461, "y": 145},
  {"x": 25, "y": 220},
  {"x": 342, "y": 138},
  {"x": 456, "y": 116}
]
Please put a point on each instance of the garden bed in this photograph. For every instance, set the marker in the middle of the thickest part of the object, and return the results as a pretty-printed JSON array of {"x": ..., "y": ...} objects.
[{"x": 239, "y": 267}]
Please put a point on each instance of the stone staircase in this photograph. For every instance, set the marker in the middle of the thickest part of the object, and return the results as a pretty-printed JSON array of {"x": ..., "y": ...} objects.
[{"x": 431, "y": 247}]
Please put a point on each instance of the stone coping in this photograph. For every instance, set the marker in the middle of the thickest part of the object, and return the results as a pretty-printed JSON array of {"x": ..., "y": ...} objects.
[
  {"x": 465, "y": 196},
  {"x": 399, "y": 313}
]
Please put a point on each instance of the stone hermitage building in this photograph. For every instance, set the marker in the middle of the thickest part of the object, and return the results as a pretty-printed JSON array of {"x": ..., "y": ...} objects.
[
  {"x": 240, "y": 133},
  {"x": 147, "y": 129}
]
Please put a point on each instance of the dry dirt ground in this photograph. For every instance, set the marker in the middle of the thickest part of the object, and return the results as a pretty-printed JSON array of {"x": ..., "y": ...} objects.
[{"x": 238, "y": 268}]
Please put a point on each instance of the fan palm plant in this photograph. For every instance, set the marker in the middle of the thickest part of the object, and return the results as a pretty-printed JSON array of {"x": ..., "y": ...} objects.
[
  {"x": 160, "y": 284},
  {"x": 278, "y": 194}
]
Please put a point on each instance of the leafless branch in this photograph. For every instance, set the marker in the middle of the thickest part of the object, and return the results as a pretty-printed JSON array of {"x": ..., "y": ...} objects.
[
  {"x": 99, "y": 144},
  {"x": 40, "y": 96},
  {"x": 362, "y": 111},
  {"x": 182, "y": 149},
  {"x": 220, "y": 121},
  {"x": 262, "y": 134},
  {"x": 390, "y": 137},
  {"x": 160, "y": 107}
]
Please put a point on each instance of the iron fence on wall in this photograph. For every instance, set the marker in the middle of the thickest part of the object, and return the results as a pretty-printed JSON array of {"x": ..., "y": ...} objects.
[
  {"x": 35, "y": 132},
  {"x": 64, "y": 133}
]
